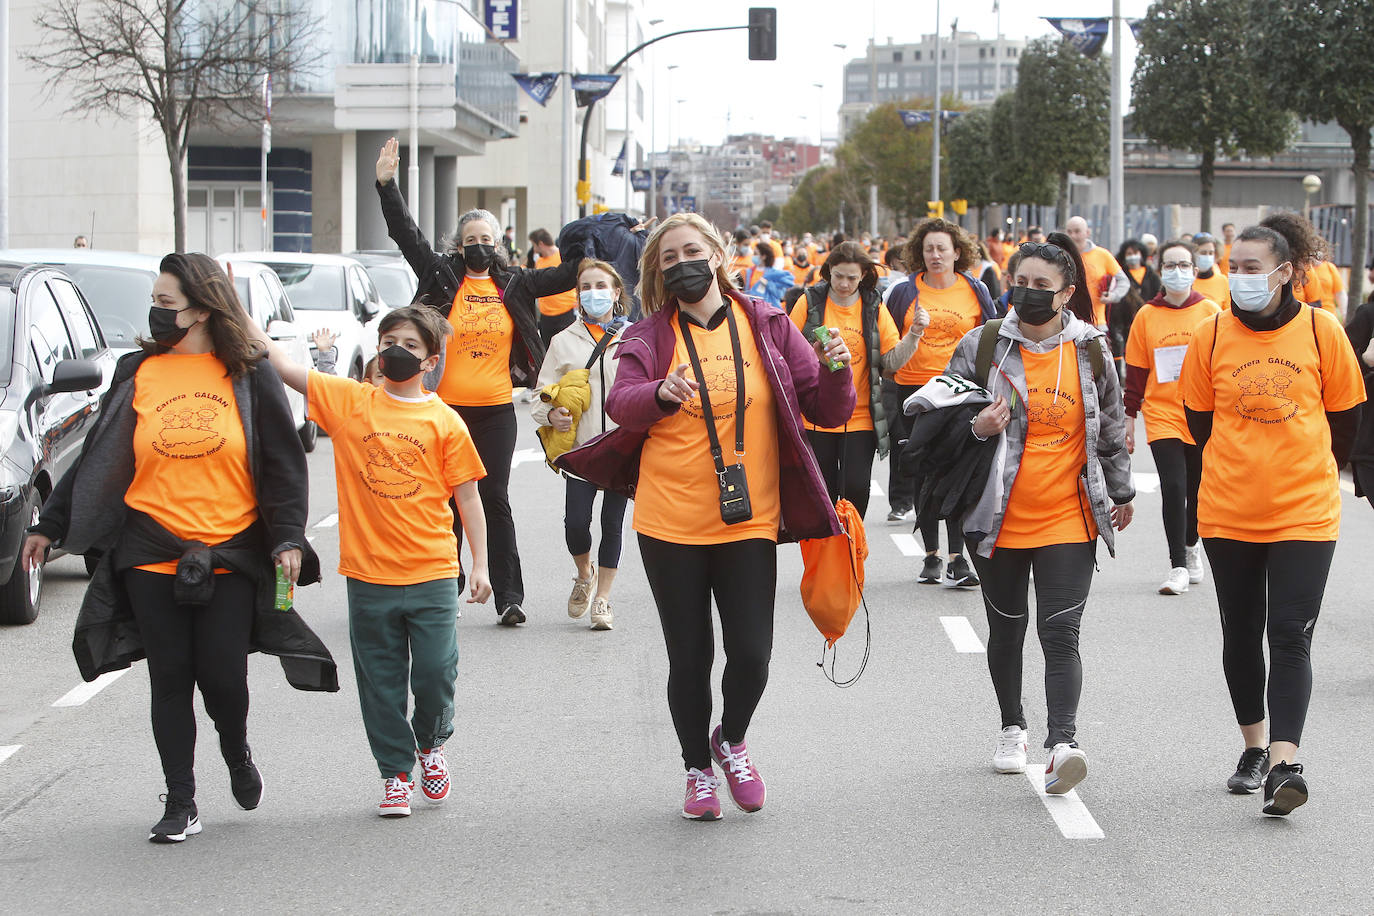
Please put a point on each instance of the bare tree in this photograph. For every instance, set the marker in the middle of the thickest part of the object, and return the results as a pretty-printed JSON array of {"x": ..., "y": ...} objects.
[{"x": 186, "y": 62}]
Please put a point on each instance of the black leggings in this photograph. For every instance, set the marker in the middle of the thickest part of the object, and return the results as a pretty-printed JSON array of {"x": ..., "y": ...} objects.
[
  {"x": 1063, "y": 574},
  {"x": 1180, "y": 471},
  {"x": 743, "y": 576},
  {"x": 854, "y": 450},
  {"x": 577, "y": 521},
  {"x": 901, "y": 489},
  {"x": 493, "y": 431},
  {"x": 189, "y": 647},
  {"x": 1276, "y": 587}
]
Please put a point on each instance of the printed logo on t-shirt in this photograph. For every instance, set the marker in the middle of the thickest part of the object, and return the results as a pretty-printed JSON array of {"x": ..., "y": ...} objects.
[
  {"x": 944, "y": 329},
  {"x": 1045, "y": 416},
  {"x": 390, "y": 456},
  {"x": 1264, "y": 390},
  {"x": 720, "y": 386},
  {"x": 190, "y": 425},
  {"x": 479, "y": 325}
]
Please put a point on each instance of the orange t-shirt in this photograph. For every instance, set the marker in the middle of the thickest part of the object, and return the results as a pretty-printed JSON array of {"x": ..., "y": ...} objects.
[
  {"x": 477, "y": 361},
  {"x": 1267, "y": 471},
  {"x": 678, "y": 496},
  {"x": 1332, "y": 283},
  {"x": 1313, "y": 289},
  {"x": 1158, "y": 342},
  {"x": 1100, "y": 267},
  {"x": 741, "y": 264},
  {"x": 850, "y": 321},
  {"x": 558, "y": 303},
  {"x": 953, "y": 313},
  {"x": 396, "y": 463},
  {"x": 1048, "y": 504},
  {"x": 1137, "y": 274},
  {"x": 190, "y": 454},
  {"x": 1216, "y": 287}
]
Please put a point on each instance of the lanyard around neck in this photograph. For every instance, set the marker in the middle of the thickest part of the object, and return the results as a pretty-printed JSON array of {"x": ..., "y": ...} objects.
[{"x": 716, "y": 452}]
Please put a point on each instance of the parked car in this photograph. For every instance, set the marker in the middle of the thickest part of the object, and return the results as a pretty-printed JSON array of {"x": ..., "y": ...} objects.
[
  {"x": 54, "y": 366},
  {"x": 330, "y": 291},
  {"x": 265, "y": 298},
  {"x": 392, "y": 274}
]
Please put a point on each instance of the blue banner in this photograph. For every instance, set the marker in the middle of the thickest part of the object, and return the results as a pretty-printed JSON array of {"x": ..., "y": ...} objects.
[
  {"x": 640, "y": 179},
  {"x": 591, "y": 87},
  {"x": 619, "y": 168},
  {"x": 539, "y": 86},
  {"x": 912, "y": 118},
  {"x": 1087, "y": 35},
  {"x": 689, "y": 203},
  {"x": 502, "y": 18},
  {"x": 680, "y": 187},
  {"x": 660, "y": 174}
]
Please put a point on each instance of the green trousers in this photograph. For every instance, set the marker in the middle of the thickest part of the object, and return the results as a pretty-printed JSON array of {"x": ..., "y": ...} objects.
[{"x": 400, "y": 634}]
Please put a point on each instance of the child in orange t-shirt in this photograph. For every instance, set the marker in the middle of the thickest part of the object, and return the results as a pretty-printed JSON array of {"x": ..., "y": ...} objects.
[{"x": 400, "y": 454}]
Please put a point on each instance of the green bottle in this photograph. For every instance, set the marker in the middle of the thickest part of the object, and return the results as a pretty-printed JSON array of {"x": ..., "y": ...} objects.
[
  {"x": 286, "y": 591},
  {"x": 822, "y": 335}
]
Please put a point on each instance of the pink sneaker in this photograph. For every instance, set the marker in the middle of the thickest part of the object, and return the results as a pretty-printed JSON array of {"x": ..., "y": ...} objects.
[
  {"x": 434, "y": 774},
  {"x": 702, "y": 803},
  {"x": 746, "y": 786}
]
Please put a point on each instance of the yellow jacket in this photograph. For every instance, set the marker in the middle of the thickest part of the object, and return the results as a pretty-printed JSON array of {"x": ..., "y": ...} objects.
[{"x": 574, "y": 393}]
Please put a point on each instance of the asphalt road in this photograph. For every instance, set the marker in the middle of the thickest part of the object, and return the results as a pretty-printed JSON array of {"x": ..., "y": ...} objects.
[{"x": 567, "y": 781}]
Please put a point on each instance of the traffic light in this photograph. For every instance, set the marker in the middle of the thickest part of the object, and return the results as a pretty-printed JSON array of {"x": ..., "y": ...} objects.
[
  {"x": 959, "y": 206},
  {"x": 763, "y": 33},
  {"x": 935, "y": 209}
]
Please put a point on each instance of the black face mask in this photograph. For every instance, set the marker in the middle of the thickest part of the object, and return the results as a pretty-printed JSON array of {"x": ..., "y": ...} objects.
[
  {"x": 398, "y": 364},
  {"x": 478, "y": 258},
  {"x": 689, "y": 281},
  {"x": 1033, "y": 306},
  {"x": 162, "y": 324}
]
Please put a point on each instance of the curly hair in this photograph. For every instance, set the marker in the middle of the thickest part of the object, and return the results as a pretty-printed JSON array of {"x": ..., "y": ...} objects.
[
  {"x": 852, "y": 253},
  {"x": 206, "y": 286},
  {"x": 1292, "y": 238},
  {"x": 966, "y": 254}
]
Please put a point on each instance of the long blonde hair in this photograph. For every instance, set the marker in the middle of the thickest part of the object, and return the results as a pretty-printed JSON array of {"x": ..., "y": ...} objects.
[{"x": 651, "y": 292}]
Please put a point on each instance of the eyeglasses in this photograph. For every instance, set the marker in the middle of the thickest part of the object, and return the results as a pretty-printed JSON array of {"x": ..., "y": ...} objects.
[
  {"x": 1041, "y": 250},
  {"x": 1176, "y": 265}
]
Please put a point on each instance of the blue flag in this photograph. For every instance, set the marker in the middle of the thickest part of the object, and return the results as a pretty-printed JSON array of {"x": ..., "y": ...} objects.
[
  {"x": 640, "y": 179},
  {"x": 1087, "y": 35},
  {"x": 659, "y": 175},
  {"x": 619, "y": 168},
  {"x": 539, "y": 86},
  {"x": 913, "y": 118},
  {"x": 591, "y": 87}
]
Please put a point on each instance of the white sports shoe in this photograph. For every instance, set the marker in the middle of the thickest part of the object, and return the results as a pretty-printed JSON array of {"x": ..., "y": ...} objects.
[
  {"x": 1068, "y": 766},
  {"x": 1176, "y": 583},
  {"x": 1194, "y": 563},
  {"x": 581, "y": 598},
  {"x": 1010, "y": 756}
]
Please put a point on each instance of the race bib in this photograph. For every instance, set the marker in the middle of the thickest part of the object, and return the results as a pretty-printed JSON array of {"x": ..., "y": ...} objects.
[{"x": 1169, "y": 363}]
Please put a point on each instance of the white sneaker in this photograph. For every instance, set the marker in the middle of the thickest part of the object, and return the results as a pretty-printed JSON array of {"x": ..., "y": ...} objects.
[
  {"x": 1010, "y": 756},
  {"x": 1068, "y": 766},
  {"x": 581, "y": 598},
  {"x": 1193, "y": 561},
  {"x": 1176, "y": 583},
  {"x": 602, "y": 618}
]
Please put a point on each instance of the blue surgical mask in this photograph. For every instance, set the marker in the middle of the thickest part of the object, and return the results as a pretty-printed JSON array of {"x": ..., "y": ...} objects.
[
  {"x": 1206, "y": 262},
  {"x": 1251, "y": 292},
  {"x": 596, "y": 303},
  {"x": 1177, "y": 279}
]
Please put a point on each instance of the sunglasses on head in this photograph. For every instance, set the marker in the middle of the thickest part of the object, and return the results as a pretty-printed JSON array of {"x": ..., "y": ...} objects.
[{"x": 1041, "y": 250}]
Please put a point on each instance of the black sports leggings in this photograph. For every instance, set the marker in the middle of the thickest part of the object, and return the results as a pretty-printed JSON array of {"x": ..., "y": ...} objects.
[
  {"x": 189, "y": 647},
  {"x": 577, "y": 521},
  {"x": 901, "y": 491},
  {"x": 743, "y": 576},
  {"x": 1276, "y": 588},
  {"x": 493, "y": 431},
  {"x": 1063, "y": 574},
  {"x": 1180, "y": 472},
  {"x": 854, "y": 450}
]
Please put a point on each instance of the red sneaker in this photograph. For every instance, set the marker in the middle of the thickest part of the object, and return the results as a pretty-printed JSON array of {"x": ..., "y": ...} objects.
[
  {"x": 746, "y": 786},
  {"x": 434, "y": 774},
  {"x": 701, "y": 803},
  {"x": 396, "y": 800}
]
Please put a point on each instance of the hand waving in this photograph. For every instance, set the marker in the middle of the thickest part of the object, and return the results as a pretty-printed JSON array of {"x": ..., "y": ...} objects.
[{"x": 388, "y": 161}]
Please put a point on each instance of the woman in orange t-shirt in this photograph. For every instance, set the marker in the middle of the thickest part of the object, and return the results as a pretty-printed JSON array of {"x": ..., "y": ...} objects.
[
  {"x": 1154, "y": 357},
  {"x": 190, "y": 473},
  {"x": 847, "y": 298},
  {"x": 1272, "y": 390},
  {"x": 710, "y": 394},
  {"x": 1211, "y": 272},
  {"x": 1061, "y": 481}
]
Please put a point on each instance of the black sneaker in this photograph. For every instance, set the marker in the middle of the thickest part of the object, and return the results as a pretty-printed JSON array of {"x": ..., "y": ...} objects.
[
  {"x": 931, "y": 569},
  {"x": 960, "y": 573},
  {"x": 1249, "y": 774},
  {"x": 245, "y": 782},
  {"x": 1284, "y": 789},
  {"x": 512, "y": 615},
  {"x": 179, "y": 821}
]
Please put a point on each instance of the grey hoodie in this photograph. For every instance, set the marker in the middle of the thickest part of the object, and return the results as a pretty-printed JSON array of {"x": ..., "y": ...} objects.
[{"x": 1109, "y": 465}]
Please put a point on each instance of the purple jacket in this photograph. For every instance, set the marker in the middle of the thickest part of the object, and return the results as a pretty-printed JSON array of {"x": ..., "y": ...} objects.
[{"x": 611, "y": 460}]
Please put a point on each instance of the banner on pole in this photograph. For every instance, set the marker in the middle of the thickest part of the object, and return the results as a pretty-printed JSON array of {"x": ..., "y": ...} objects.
[
  {"x": 640, "y": 179},
  {"x": 619, "y": 168},
  {"x": 1087, "y": 35},
  {"x": 660, "y": 174},
  {"x": 591, "y": 87},
  {"x": 539, "y": 86}
]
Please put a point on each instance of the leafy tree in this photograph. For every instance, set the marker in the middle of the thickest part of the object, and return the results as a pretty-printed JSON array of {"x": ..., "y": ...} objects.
[
  {"x": 186, "y": 63},
  {"x": 1062, "y": 111},
  {"x": 1017, "y": 176},
  {"x": 814, "y": 205},
  {"x": 1329, "y": 80},
  {"x": 1193, "y": 87},
  {"x": 970, "y": 150},
  {"x": 771, "y": 213},
  {"x": 884, "y": 152}
]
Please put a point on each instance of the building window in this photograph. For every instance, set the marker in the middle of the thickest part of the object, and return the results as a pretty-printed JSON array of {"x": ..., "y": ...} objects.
[
  {"x": 982, "y": 53},
  {"x": 896, "y": 57},
  {"x": 918, "y": 55}
]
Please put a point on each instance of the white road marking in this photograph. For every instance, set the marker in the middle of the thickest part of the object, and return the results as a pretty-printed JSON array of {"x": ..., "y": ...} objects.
[
  {"x": 1347, "y": 486},
  {"x": 961, "y": 633},
  {"x": 1069, "y": 813},
  {"x": 526, "y": 454},
  {"x": 1146, "y": 482},
  {"x": 7, "y": 751},
  {"x": 906, "y": 543},
  {"x": 329, "y": 521},
  {"x": 875, "y": 488},
  {"x": 83, "y": 692},
  {"x": 310, "y": 538}
]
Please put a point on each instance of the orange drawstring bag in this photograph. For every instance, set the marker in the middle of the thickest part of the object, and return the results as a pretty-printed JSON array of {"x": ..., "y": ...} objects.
[{"x": 832, "y": 585}]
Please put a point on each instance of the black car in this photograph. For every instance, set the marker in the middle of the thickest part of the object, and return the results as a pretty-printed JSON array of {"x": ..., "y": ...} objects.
[{"x": 54, "y": 366}]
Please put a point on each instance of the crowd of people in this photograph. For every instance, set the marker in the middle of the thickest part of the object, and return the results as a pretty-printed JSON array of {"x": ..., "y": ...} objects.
[{"x": 1001, "y": 378}]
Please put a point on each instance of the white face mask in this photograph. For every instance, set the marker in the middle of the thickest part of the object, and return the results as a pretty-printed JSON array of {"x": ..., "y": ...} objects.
[
  {"x": 1206, "y": 262},
  {"x": 1132, "y": 260},
  {"x": 597, "y": 303},
  {"x": 1177, "y": 279},
  {"x": 1251, "y": 292}
]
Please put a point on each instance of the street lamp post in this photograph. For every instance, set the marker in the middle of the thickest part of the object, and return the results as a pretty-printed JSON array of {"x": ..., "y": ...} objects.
[
  {"x": 651, "y": 196},
  {"x": 820, "y": 114}
]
